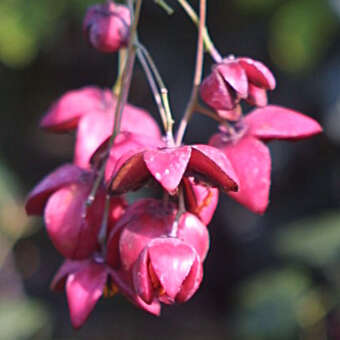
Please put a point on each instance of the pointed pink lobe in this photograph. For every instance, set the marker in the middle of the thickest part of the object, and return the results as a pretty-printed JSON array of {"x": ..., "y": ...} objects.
[
  {"x": 67, "y": 268},
  {"x": 213, "y": 167},
  {"x": 72, "y": 230},
  {"x": 83, "y": 289},
  {"x": 192, "y": 282},
  {"x": 125, "y": 285},
  {"x": 217, "y": 93},
  {"x": 193, "y": 232},
  {"x": 171, "y": 260},
  {"x": 141, "y": 278},
  {"x": 65, "y": 113},
  {"x": 252, "y": 163},
  {"x": 131, "y": 175},
  {"x": 233, "y": 73},
  {"x": 257, "y": 96},
  {"x": 258, "y": 73},
  {"x": 275, "y": 122},
  {"x": 62, "y": 176},
  {"x": 167, "y": 165},
  {"x": 201, "y": 200}
]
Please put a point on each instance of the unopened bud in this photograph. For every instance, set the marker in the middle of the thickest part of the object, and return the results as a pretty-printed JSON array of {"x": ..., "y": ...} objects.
[{"x": 107, "y": 26}]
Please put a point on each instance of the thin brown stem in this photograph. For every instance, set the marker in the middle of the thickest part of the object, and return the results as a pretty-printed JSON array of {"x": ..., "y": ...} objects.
[
  {"x": 209, "y": 113},
  {"x": 165, "y": 6},
  {"x": 121, "y": 65},
  {"x": 121, "y": 101},
  {"x": 197, "y": 77},
  {"x": 208, "y": 43},
  {"x": 164, "y": 94},
  {"x": 180, "y": 211},
  {"x": 153, "y": 86},
  {"x": 105, "y": 221}
]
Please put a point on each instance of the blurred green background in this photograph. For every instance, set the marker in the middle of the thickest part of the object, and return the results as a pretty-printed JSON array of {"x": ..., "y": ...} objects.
[{"x": 271, "y": 277}]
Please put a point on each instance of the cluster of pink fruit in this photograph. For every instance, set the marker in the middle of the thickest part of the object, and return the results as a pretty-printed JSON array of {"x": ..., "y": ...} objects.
[{"x": 152, "y": 250}]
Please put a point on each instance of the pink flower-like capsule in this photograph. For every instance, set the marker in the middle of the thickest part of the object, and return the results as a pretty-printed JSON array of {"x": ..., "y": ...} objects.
[
  {"x": 87, "y": 281},
  {"x": 61, "y": 197},
  {"x": 169, "y": 165},
  {"x": 146, "y": 220},
  {"x": 91, "y": 110},
  {"x": 168, "y": 269},
  {"x": 234, "y": 79},
  {"x": 107, "y": 26},
  {"x": 250, "y": 157},
  {"x": 145, "y": 232}
]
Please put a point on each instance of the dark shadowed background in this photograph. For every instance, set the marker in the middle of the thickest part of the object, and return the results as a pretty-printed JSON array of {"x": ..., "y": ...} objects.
[{"x": 271, "y": 277}]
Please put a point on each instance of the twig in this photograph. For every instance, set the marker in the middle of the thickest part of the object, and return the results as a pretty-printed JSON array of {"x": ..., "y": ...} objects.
[
  {"x": 121, "y": 65},
  {"x": 165, "y": 6},
  {"x": 180, "y": 211},
  {"x": 209, "y": 113},
  {"x": 197, "y": 78},
  {"x": 153, "y": 86},
  {"x": 103, "y": 228},
  {"x": 208, "y": 43},
  {"x": 164, "y": 94}
]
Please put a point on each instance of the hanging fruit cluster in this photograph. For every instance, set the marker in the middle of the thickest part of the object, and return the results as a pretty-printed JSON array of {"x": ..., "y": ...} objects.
[{"x": 152, "y": 251}]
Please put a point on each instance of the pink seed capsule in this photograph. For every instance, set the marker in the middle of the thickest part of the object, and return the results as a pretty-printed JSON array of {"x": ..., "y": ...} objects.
[{"x": 107, "y": 26}]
